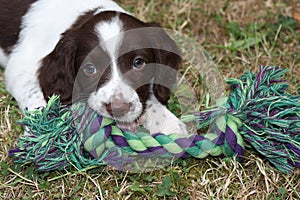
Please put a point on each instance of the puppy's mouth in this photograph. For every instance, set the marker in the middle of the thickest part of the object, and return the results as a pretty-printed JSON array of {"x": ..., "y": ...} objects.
[
  {"x": 129, "y": 121},
  {"x": 126, "y": 115},
  {"x": 129, "y": 126}
]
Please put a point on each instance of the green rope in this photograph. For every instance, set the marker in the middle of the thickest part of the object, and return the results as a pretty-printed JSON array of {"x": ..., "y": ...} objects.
[{"x": 258, "y": 113}]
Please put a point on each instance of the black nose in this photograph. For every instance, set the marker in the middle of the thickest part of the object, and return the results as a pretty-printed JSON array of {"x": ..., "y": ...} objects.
[{"x": 118, "y": 108}]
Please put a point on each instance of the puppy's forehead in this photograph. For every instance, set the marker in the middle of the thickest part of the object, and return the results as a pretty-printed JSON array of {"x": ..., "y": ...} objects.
[
  {"x": 110, "y": 35},
  {"x": 121, "y": 30}
]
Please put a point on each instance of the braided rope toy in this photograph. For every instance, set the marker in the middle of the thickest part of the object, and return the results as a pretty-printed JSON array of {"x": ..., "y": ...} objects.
[{"x": 258, "y": 113}]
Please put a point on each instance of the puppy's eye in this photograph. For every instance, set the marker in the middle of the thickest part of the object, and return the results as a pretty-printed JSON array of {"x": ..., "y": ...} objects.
[
  {"x": 138, "y": 63},
  {"x": 90, "y": 69}
]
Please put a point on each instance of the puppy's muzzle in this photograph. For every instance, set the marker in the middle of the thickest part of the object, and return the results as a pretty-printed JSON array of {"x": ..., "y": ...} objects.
[{"x": 118, "y": 107}]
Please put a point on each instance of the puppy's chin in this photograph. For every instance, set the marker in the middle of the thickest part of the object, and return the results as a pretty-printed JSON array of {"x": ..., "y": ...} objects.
[
  {"x": 127, "y": 122},
  {"x": 130, "y": 126}
]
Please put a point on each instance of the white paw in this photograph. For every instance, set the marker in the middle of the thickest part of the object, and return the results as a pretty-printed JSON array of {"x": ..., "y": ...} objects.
[
  {"x": 174, "y": 126},
  {"x": 158, "y": 119},
  {"x": 33, "y": 104}
]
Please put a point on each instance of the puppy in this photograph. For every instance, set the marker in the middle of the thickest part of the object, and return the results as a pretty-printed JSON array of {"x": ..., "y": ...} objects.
[{"x": 92, "y": 51}]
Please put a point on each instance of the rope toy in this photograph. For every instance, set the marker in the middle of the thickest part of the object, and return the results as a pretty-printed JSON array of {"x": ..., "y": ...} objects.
[{"x": 258, "y": 113}]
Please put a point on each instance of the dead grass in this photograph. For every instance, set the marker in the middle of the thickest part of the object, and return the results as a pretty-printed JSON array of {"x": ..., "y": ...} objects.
[{"x": 218, "y": 26}]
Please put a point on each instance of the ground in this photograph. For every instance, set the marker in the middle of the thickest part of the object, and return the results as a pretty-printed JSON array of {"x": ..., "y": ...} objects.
[{"x": 237, "y": 36}]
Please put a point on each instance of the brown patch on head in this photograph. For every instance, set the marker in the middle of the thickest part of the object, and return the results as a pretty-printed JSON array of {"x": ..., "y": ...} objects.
[
  {"x": 76, "y": 48},
  {"x": 151, "y": 43}
]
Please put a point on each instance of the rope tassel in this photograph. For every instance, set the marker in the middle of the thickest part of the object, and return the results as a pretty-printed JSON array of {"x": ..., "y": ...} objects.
[{"x": 258, "y": 113}]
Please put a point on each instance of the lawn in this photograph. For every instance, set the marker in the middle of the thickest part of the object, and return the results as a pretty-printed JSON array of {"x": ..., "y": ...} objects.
[{"x": 229, "y": 37}]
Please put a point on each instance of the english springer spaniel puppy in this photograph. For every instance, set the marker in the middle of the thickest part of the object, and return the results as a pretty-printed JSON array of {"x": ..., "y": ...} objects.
[{"x": 92, "y": 51}]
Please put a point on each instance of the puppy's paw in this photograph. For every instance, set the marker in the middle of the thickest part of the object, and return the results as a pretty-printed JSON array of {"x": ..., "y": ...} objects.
[
  {"x": 173, "y": 126},
  {"x": 36, "y": 104},
  {"x": 158, "y": 119}
]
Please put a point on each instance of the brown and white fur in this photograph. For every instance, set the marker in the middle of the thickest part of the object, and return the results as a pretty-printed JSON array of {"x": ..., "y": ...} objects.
[{"x": 93, "y": 51}]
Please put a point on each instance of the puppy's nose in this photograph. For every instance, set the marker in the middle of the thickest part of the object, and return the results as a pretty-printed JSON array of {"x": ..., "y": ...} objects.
[{"x": 117, "y": 107}]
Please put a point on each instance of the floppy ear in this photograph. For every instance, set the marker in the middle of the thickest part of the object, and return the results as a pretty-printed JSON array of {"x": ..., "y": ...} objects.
[
  {"x": 57, "y": 72},
  {"x": 168, "y": 61}
]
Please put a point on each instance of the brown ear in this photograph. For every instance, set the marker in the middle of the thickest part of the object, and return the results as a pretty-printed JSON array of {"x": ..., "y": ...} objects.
[
  {"x": 168, "y": 61},
  {"x": 57, "y": 72}
]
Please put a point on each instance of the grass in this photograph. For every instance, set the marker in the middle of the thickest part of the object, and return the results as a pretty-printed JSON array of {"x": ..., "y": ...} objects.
[{"x": 238, "y": 36}]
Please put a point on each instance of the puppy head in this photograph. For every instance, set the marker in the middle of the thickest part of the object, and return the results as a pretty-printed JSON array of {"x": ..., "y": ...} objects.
[{"x": 113, "y": 62}]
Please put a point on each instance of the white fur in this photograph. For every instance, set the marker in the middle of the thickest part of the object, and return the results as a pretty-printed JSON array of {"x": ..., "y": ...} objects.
[
  {"x": 42, "y": 27},
  {"x": 3, "y": 58},
  {"x": 158, "y": 119},
  {"x": 109, "y": 7},
  {"x": 111, "y": 35}
]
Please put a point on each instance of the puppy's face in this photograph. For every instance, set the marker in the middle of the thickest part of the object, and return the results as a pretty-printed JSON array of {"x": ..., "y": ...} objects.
[
  {"x": 113, "y": 62},
  {"x": 117, "y": 88}
]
